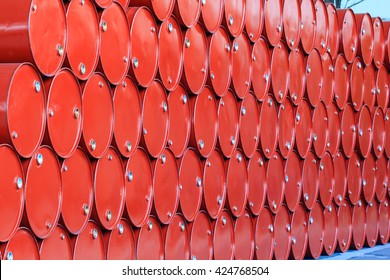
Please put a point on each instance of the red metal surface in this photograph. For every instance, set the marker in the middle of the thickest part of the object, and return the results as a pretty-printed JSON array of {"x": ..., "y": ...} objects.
[
  {"x": 138, "y": 187},
  {"x": 190, "y": 178},
  {"x": 261, "y": 67},
  {"x": 179, "y": 121},
  {"x": 372, "y": 228},
  {"x": 308, "y": 25},
  {"x": 144, "y": 56},
  {"x": 382, "y": 178},
  {"x": 119, "y": 243},
  {"x": 149, "y": 241},
  {"x": 299, "y": 235},
  {"x": 63, "y": 112},
  {"x": 22, "y": 93},
  {"x": 310, "y": 180},
  {"x": 291, "y": 23},
  {"x": 384, "y": 224},
  {"x": 241, "y": 66},
  {"x": 170, "y": 58},
  {"x": 293, "y": 179},
  {"x": 264, "y": 235},
  {"x": 276, "y": 181},
  {"x": 327, "y": 92},
  {"x": 348, "y": 33},
  {"x": 212, "y": 14},
  {"x": 357, "y": 84},
  {"x": 104, "y": 3},
  {"x": 244, "y": 237},
  {"x": 188, "y": 11},
  {"x": 223, "y": 238},
  {"x": 161, "y": 9},
  {"x": 83, "y": 38},
  {"x": 322, "y": 27},
  {"x": 43, "y": 192},
  {"x": 282, "y": 238},
  {"x": 359, "y": 221},
  {"x": 22, "y": 246},
  {"x": 366, "y": 37},
  {"x": 257, "y": 184},
  {"x": 340, "y": 178},
  {"x": 155, "y": 121},
  {"x": 341, "y": 82},
  {"x": 77, "y": 191},
  {"x": 286, "y": 124},
  {"x": 254, "y": 18},
  {"x": 11, "y": 189},
  {"x": 201, "y": 240},
  {"x": 369, "y": 178},
  {"x": 249, "y": 125},
  {"x": 177, "y": 240},
  {"x": 314, "y": 77},
  {"x": 98, "y": 116},
  {"x": 89, "y": 244},
  {"x": 22, "y": 34},
  {"x": 268, "y": 126},
  {"x": 378, "y": 132},
  {"x": 214, "y": 184},
  {"x": 273, "y": 20},
  {"x": 348, "y": 130},
  {"x": 195, "y": 55},
  {"x": 387, "y": 132},
  {"x": 369, "y": 93},
  {"x": 334, "y": 35},
  {"x": 220, "y": 61},
  {"x": 297, "y": 81},
  {"x": 364, "y": 129},
  {"x": 320, "y": 129},
  {"x": 235, "y": 16},
  {"x": 124, "y": 3},
  {"x": 303, "y": 128},
  {"x": 315, "y": 231},
  {"x": 166, "y": 186},
  {"x": 57, "y": 246},
  {"x": 386, "y": 27},
  {"x": 326, "y": 180},
  {"x": 382, "y": 88},
  {"x": 354, "y": 178},
  {"x": 228, "y": 124},
  {"x": 330, "y": 229},
  {"x": 280, "y": 71},
  {"x": 334, "y": 134},
  {"x": 379, "y": 42},
  {"x": 344, "y": 226}
]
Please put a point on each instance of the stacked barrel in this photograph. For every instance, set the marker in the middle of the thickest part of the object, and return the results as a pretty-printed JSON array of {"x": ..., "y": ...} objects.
[{"x": 188, "y": 129}]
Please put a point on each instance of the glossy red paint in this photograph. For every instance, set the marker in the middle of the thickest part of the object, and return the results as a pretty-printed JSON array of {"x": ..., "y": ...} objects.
[
  {"x": 334, "y": 138},
  {"x": 244, "y": 238},
  {"x": 382, "y": 179},
  {"x": 235, "y": 16},
  {"x": 372, "y": 229},
  {"x": 334, "y": 34},
  {"x": 89, "y": 244},
  {"x": 297, "y": 83},
  {"x": 330, "y": 229},
  {"x": 303, "y": 128},
  {"x": 177, "y": 240},
  {"x": 149, "y": 241},
  {"x": 257, "y": 183},
  {"x": 320, "y": 129},
  {"x": 286, "y": 124},
  {"x": 379, "y": 42},
  {"x": 310, "y": 181},
  {"x": 212, "y": 14},
  {"x": 369, "y": 174},
  {"x": 104, "y": 3},
  {"x": 187, "y": 11},
  {"x": 273, "y": 20},
  {"x": 378, "y": 132},
  {"x": 364, "y": 129},
  {"x": 344, "y": 226},
  {"x": 348, "y": 33},
  {"x": 387, "y": 132},
  {"x": 314, "y": 77},
  {"x": 327, "y": 92},
  {"x": 22, "y": 246},
  {"x": 249, "y": 125},
  {"x": 369, "y": 93},
  {"x": 326, "y": 180},
  {"x": 322, "y": 28},
  {"x": 341, "y": 82},
  {"x": 292, "y": 23},
  {"x": 366, "y": 37},
  {"x": 340, "y": 178},
  {"x": 357, "y": 84},
  {"x": 254, "y": 19},
  {"x": 57, "y": 246},
  {"x": 315, "y": 231},
  {"x": 161, "y": 9},
  {"x": 280, "y": 71},
  {"x": 359, "y": 222},
  {"x": 382, "y": 88},
  {"x": 241, "y": 66},
  {"x": 348, "y": 130},
  {"x": 119, "y": 243},
  {"x": 201, "y": 239},
  {"x": 282, "y": 241},
  {"x": 299, "y": 235},
  {"x": 309, "y": 22},
  {"x": 268, "y": 126},
  {"x": 384, "y": 224},
  {"x": 261, "y": 68},
  {"x": 354, "y": 178},
  {"x": 293, "y": 179},
  {"x": 264, "y": 235},
  {"x": 223, "y": 236},
  {"x": 276, "y": 179}
]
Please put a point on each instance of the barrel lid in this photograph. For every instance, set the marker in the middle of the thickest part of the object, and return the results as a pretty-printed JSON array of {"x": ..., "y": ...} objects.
[
  {"x": 357, "y": 84},
  {"x": 297, "y": 81},
  {"x": 149, "y": 242},
  {"x": 303, "y": 128},
  {"x": 276, "y": 182},
  {"x": 189, "y": 11},
  {"x": 359, "y": 224},
  {"x": 340, "y": 178},
  {"x": 261, "y": 67},
  {"x": 244, "y": 238},
  {"x": 382, "y": 88},
  {"x": 334, "y": 129},
  {"x": 382, "y": 179},
  {"x": 286, "y": 124},
  {"x": 120, "y": 244},
  {"x": 326, "y": 179},
  {"x": 22, "y": 246},
  {"x": 235, "y": 16},
  {"x": 308, "y": 25},
  {"x": 320, "y": 129},
  {"x": 299, "y": 235},
  {"x": 89, "y": 245},
  {"x": 378, "y": 131},
  {"x": 348, "y": 130},
  {"x": 249, "y": 125},
  {"x": 177, "y": 240},
  {"x": 314, "y": 77},
  {"x": 282, "y": 239},
  {"x": 330, "y": 229},
  {"x": 241, "y": 65},
  {"x": 315, "y": 230},
  {"x": 384, "y": 227},
  {"x": 273, "y": 20},
  {"x": 379, "y": 42},
  {"x": 372, "y": 226},
  {"x": 322, "y": 28},
  {"x": 254, "y": 20},
  {"x": 310, "y": 180},
  {"x": 341, "y": 81},
  {"x": 366, "y": 38},
  {"x": 257, "y": 184},
  {"x": 369, "y": 178},
  {"x": 293, "y": 179},
  {"x": 291, "y": 23},
  {"x": 201, "y": 240},
  {"x": 369, "y": 92},
  {"x": 348, "y": 32},
  {"x": 364, "y": 128},
  {"x": 212, "y": 14},
  {"x": 387, "y": 132},
  {"x": 57, "y": 246},
  {"x": 268, "y": 126},
  {"x": 354, "y": 177},
  {"x": 280, "y": 71},
  {"x": 327, "y": 92},
  {"x": 264, "y": 235},
  {"x": 344, "y": 226},
  {"x": 223, "y": 239},
  {"x": 334, "y": 35}
]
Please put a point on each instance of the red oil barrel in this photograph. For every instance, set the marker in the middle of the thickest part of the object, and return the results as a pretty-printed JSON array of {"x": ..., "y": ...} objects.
[
  {"x": 187, "y": 12},
  {"x": 268, "y": 126},
  {"x": 286, "y": 124},
  {"x": 297, "y": 82},
  {"x": 22, "y": 94},
  {"x": 257, "y": 183},
  {"x": 366, "y": 37},
  {"x": 308, "y": 25},
  {"x": 314, "y": 77},
  {"x": 370, "y": 90},
  {"x": 341, "y": 82},
  {"x": 293, "y": 179},
  {"x": 386, "y": 28},
  {"x": 201, "y": 240},
  {"x": 273, "y": 21},
  {"x": 359, "y": 221},
  {"x": 228, "y": 124},
  {"x": 170, "y": 58},
  {"x": 241, "y": 66},
  {"x": 214, "y": 184},
  {"x": 12, "y": 194},
  {"x": 138, "y": 187},
  {"x": 261, "y": 68},
  {"x": 330, "y": 229},
  {"x": 128, "y": 123},
  {"x": 254, "y": 19},
  {"x": 384, "y": 224},
  {"x": 378, "y": 132},
  {"x": 83, "y": 38},
  {"x": 109, "y": 190},
  {"x": 77, "y": 191},
  {"x": 98, "y": 116},
  {"x": 276, "y": 182},
  {"x": 354, "y": 178},
  {"x": 149, "y": 241},
  {"x": 176, "y": 239},
  {"x": 326, "y": 180},
  {"x": 364, "y": 128},
  {"x": 310, "y": 180},
  {"x": 195, "y": 55},
  {"x": 348, "y": 33},
  {"x": 220, "y": 61},
  {"x": 334, "y": 135},
  {"x": 22, "y": 34},
  {"x": 303, "y": 128},
  {"x": 165, "y": 186},
  {"x": 369, "y": 178},
  {"x": 89, "y": 244},
  {"x": 344, "y": 226},
  {"x": 114, "y": 43},
  {"x": 357, "y": 84},
  {"x": 249, "y": 125},
  {"x": 382, "y": 178},
  {"x": 315, "y": 231},
  {"x": 264, "y": 235},
  {"x": 299, "y": 235},
  {"x": 155, "y": 118},
  {"x": 212, "y": 14},
  {"x": 372, "y": 228},
  {"x": 104, "y": 3},
  {"x": 57, "y": 246},
  {"x": 280, "y": 71},
  {"x": 235, "y": 16},
  {"x": 191, "y": 187},
  {"x": 387, "y": 132},
  {"x": 119, "y": 243},
  {"x": 348, "y": 130},
  {"x": 340, "y": 178},
  {"x": 244, "y": 237},
  {"x": 334, "y": 35},
  {"x": 327, "y": 92},
  {"x": 63, "y": 112},
  {"x": 322, "y": 28},
  {"x": 282, "y": 238},
  {"x": 379, "y": 42},
  {"x": 292, "y": 23},
  {"x": 144, "y": 57},
  {"x": 124, "y": 3},
  {"x": 161, "y": 9},
  {"x": 236, "y": 183},
  {"x": 320, "y": 129},
  {"x": 179, "y": 121},
  {"x": 223, "y": 239},
  {"x": 22, "y": 246},
  {"x": 382, "y": 88},
  {"x": 43, "y": 191}
]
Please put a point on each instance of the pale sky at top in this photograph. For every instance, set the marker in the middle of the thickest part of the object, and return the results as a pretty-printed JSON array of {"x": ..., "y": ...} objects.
[{"x": 376, "y": 8}]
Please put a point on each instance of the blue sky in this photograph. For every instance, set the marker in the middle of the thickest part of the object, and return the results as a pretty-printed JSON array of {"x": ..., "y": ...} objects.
[{"x": 376, "y": 8}]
